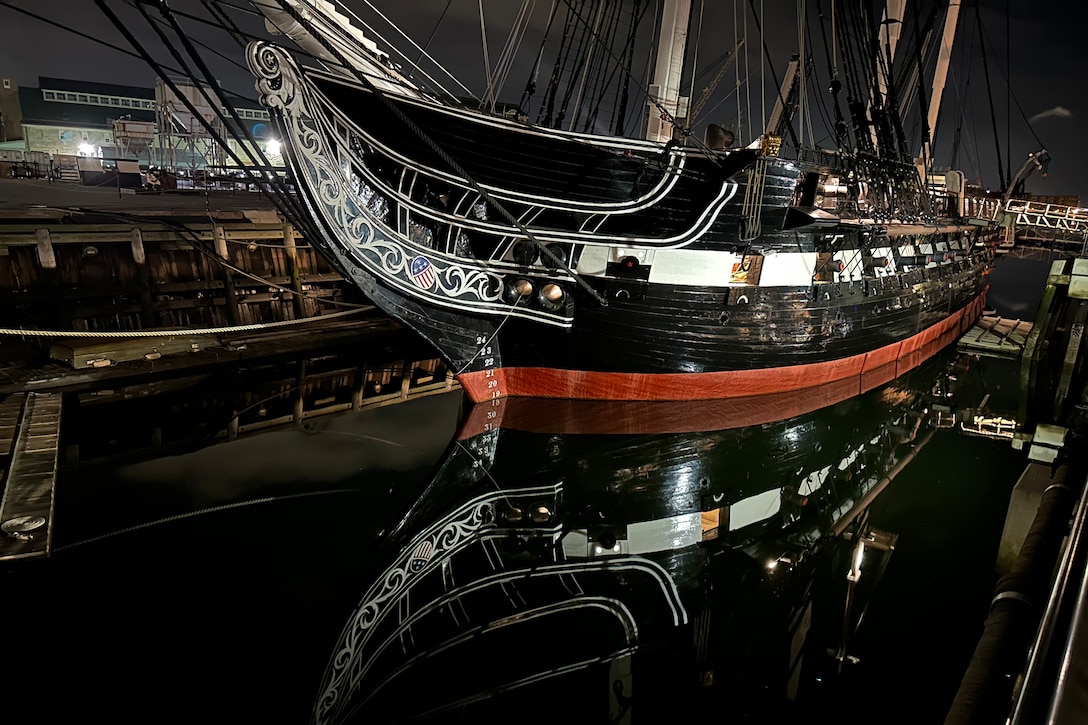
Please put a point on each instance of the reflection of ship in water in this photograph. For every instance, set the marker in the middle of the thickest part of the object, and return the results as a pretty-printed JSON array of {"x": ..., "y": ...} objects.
[{"x": 598, "y": 559}]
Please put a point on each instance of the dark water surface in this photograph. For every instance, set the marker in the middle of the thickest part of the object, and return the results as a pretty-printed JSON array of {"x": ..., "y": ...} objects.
[{"x": 583, "y": 579}]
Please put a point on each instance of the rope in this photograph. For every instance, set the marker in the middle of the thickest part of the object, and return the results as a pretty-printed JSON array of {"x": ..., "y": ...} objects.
[
  {"x": 480, "y": 348},
  {"x": 423, "y": 51},
  {"x": 490, "y": 99},
  {"x": 513, "y": 45},
  {"x": 753, "y": 200},
  {"x": 181, "y": 331}
]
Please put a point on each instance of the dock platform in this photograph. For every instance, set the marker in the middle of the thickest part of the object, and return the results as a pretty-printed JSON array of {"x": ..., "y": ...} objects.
[
  {"x": 26, "y": 509},
  {"x": 996, "y": 337}
]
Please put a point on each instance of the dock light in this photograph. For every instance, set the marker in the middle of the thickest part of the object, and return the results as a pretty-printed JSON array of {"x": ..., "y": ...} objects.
[
  {"x": 86, "y": 149},
  {"x": 272, "y": 148}
]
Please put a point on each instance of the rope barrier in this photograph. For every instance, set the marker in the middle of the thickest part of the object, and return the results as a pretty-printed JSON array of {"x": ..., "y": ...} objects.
[{"x": 178, "y": 331}]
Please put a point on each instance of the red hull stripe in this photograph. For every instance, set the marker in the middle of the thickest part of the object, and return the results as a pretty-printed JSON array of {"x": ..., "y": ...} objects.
[{"x": 869, "y": 370}]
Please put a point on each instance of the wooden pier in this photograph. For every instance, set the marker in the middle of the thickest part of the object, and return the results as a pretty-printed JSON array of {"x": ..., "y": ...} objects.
[
  {"x": 98, "y": 263},
  {"x": 169, "y": 296},
  {"x": 26, "y": 510}
]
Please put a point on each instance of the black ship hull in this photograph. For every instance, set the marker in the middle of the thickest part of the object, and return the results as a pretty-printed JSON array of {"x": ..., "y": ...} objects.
[{"x": 671, "y": 284}]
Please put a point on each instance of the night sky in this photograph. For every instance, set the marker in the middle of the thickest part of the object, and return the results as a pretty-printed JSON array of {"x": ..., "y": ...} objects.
[{"x": 1047, "y": 100}]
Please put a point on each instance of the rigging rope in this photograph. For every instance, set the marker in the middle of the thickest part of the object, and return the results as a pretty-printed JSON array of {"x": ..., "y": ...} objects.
[
  {"x": 469, "y": 180},
  {"x": 414, "y": 44},
  {"x": 530, "y": 85},
  {"x": 588, "y": 64},
  {"x": 489, "y": 100},
  {"x": 684, "y": 129},
  {"x": 747, "y": 85},
  {"x": 753, "y": 200},
  {"x": 275, "y": 192},
  {"x": 762, "y": 76},
  {"x": 513, "y": 43},
  {"x": 423, "y": 50}
]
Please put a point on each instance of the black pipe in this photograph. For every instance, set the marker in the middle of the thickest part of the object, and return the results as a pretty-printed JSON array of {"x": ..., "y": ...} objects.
[{"x": 986, "y": 691}]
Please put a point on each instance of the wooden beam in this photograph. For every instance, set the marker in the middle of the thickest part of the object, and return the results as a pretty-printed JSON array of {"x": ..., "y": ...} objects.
[
  {"x": 144, "y": 277},
  {"x": 293, "y": 270},
  {"x": 136, "y": 239},
  {"x": 228, "y": 276},
  {"x": 46, "y": 257}
]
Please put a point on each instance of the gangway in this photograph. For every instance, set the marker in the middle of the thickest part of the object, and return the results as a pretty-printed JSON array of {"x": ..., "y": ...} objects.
[{"x": 1057, "y": 224}]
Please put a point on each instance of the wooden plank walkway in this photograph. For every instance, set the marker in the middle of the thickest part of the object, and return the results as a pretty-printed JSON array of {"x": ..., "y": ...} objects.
[
  {"x": 996, "y": 337},
  {"x": 26, "y": 510},
  {"x": 10, "y": 408}
]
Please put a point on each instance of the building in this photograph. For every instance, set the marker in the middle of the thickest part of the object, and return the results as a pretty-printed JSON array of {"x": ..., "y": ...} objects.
[
  {"x": 11, "y": 117},
  {"x": 66, "y": 117},
  {"x": 76, "y": 117}
]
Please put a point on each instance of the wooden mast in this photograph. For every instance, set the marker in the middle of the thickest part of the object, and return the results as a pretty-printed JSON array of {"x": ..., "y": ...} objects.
[
  {"x": 944, "y": 56},
  {"x": 665, "y": 90}
]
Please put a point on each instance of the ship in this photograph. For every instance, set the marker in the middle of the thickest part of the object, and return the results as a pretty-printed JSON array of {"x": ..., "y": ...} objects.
[
  {"x": 638, "y": 564},
  {"x": 559, "y": 256}
]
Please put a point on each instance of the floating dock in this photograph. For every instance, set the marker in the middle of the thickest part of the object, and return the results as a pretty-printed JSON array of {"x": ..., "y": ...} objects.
[
  {"x": 994, "y": 336},
  {"x": 26, "y": 510}
]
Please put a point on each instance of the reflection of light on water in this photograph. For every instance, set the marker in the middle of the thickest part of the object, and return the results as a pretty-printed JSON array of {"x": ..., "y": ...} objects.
[
  {"x": 892, "y": 395},
  {"x": 404, "y": 437},
  {"x": 200, "y": 512},
  {"x": 755, "y": 508}
]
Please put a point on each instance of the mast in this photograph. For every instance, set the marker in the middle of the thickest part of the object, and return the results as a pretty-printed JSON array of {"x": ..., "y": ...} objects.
[
  {"x": 891, "y": 26},
  {"x": 664, "y": 96},
  {"x": 943, "y": 58}
]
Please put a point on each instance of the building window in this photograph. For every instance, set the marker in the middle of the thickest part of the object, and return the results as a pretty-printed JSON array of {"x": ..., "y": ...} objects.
[
  {"x": 72, "y": 97},
  {"x": 126, "y": 103},
  {"x": 49, "y": 95},
  {"x": 7, "y": 83},
  {"x": 115, "y": 101},
  {"x": 92, "y": 99},
  {"x": 82, "y": 98}
]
